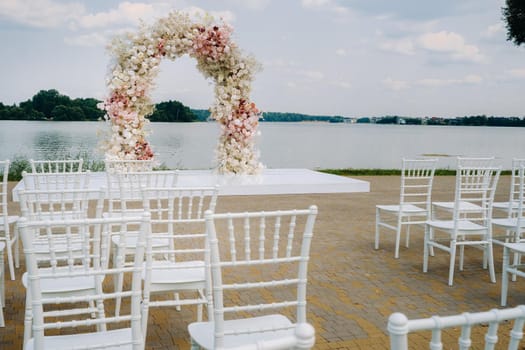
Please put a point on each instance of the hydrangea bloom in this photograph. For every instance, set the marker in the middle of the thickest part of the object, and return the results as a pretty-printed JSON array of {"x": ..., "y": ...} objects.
[{"x": 137, "y": 58}]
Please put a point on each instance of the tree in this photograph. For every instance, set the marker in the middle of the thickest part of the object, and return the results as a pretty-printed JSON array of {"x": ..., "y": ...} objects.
[
  {"x": 46, "y": 100},
  {"x": 67, "y": 113},
  {"x": 514, "y": 15},
  {"x": 172, "y": 111}
]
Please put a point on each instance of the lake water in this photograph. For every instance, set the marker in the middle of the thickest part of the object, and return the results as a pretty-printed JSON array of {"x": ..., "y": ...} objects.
[{"x": 281, "y": 145}]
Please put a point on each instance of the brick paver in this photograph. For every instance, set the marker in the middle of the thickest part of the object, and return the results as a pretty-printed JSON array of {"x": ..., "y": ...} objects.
[{"x": 352, "y": 288}]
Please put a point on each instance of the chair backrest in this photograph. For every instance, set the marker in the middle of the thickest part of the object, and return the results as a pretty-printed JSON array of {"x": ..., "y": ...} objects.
[
  {"x": 515, "y": 178},
  {"x": 56, "y": 166},
  {"x": 417, "y": 176},
  {"x": 120, "y": 166},
  {"x": 177, "y": 215},
  {"x": 399, "y": 326},
  {"x": 90, "y": 262},
  {"x": 475, "y": 186},
  {"x": 258, "y": 266},
  {"x": 131, "y": 185},
  {"x": 4, "y": 172},
  {"x": 59, "y": 204},
  {"x": 56, "y": 181},
  {"x": 478, "y": 162}
]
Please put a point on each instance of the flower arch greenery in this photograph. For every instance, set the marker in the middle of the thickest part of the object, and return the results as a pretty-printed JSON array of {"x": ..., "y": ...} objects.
[{"x": 137, "y": 58}]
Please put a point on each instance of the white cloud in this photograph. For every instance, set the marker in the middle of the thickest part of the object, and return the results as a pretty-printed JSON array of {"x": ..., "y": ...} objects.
[
  {"x": 252, "y": 4},
  {"x": 431, "y": 82},
  {"x": 402, "y": 46},
  {"x": 311, "y": 74},
  {"x": 89, "y": 40},
  {"x": 451, "y": 44},
  {"x": 342, "y": 84},
  {"x": 516, "y": 73},
  {"x": 329, "y": 5},
  {"x": 40, "y": 13},
  {"x": 291, "y": 84},
  {"x": 340, "y": 52},
  {"x": 125, "y": 13},
  {"x": 395, "y": 85},
  {"x": 315, "y": 3},
  {"x": 494, "y": 30}
]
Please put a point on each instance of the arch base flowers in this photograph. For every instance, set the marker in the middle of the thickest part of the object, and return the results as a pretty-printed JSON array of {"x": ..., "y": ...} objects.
[{"x": 137, "y": 58}]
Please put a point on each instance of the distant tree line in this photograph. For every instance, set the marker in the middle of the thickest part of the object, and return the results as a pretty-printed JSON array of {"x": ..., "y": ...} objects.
[
  {"x": 477, "y": 120},
  {"x": 51, "y": 105},
  {"x": 203, "y": 115}
]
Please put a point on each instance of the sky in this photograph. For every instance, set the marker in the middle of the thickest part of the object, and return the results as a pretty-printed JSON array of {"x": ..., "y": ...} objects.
[{"x": 353, "y": 58}]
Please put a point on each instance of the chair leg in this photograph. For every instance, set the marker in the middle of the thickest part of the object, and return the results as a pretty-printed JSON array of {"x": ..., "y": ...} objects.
[
  {"x": 17, "y": 246},
  {"x": 177, "y": 299},
  {"x": 28, "y": 318},
  {"x": 461, "y": 257},
  {"x": 452, "y": 262},
  {"x": 490, "y": 257},
  {"x": 504, "y": 277},
  {"x": 378, "y": 218},
  {"x": 398, "y": 237},
  {"x": 9, "y": 247},
  {"x": 426, "y": 243},
  {"x": 407, "y": 238}
]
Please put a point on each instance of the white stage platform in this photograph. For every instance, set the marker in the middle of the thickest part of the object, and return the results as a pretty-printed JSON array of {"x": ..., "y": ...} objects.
[
  {"x": 270, "y": 181},
  {"x": 273, "y": 181}
]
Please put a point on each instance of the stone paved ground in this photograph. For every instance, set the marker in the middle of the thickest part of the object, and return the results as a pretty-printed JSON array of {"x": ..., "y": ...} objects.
[{"x": 352, "y": 288}]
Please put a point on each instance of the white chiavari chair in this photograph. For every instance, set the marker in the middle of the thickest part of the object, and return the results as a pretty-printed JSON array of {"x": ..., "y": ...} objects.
[
  {"x": 258, "y": 268},
  {"x": 72, "y": 292},
  {"x": 417, "y": 176},
  {"x": 176, "y": 255},
  {"x": 8, "y": 236},
  {"x": 470, "y": 224}
]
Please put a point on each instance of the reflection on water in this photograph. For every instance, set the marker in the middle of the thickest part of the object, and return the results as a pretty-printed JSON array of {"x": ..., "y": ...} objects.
[
  {"x": 282, "y": 145},
  {"x": 53, "y": 145}
]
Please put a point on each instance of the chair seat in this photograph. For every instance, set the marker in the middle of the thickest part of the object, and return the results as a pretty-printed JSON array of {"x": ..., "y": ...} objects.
[
  {"x": 463, "y": 206},
  {"x": 518, "y": 247},
  {"x": 463, "y": 225},
  {"x": 405, "y": 208},
  {"x": 64, "y": 285},
  {"x": 167, "y": 272},
  {"x": 58, "y": 342},
  {"x": 508, "y": 222},
  {"x": 203, "y": 332}
]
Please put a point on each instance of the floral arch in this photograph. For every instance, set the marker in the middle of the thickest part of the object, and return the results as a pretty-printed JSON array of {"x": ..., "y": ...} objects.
[{"x": 137, "y": 58}]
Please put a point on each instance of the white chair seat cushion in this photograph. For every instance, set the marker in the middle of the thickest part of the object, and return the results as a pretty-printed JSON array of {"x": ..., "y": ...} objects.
[
  {"x": 464, "y": 206},
  {"x": 463, "y": 225},
  {"x": 177, "y": 272},
  {"x": 202, "y": 332},
  {"x": 508, "y": 222},
  {"x": 406, "y": 208},
  {"x": 64, "y": 285},
  {"x": 58, "y": 342},
  {"x": 516, "y": 247}
]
